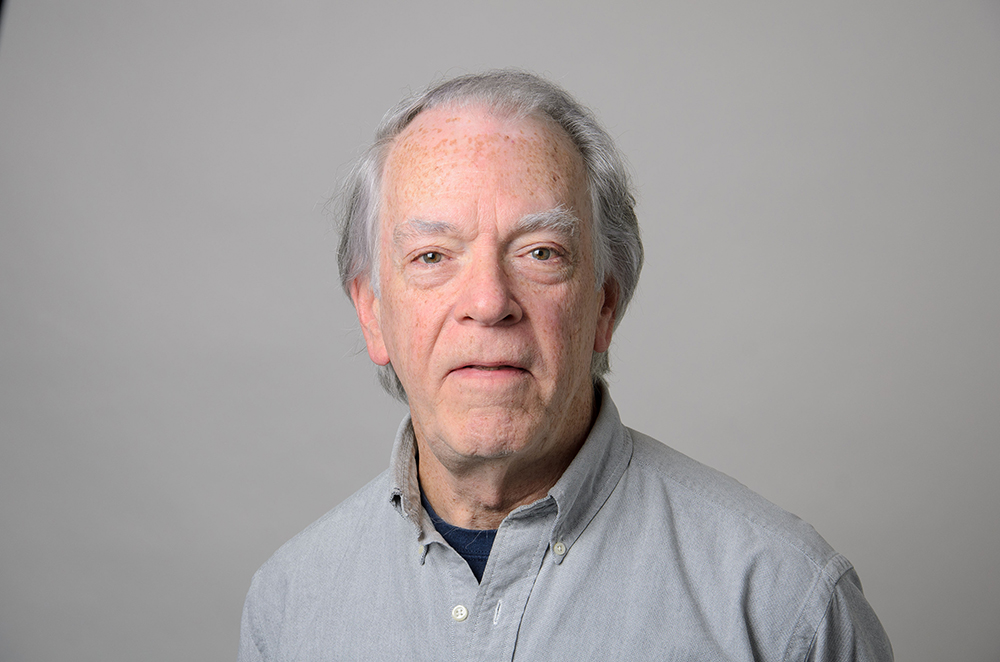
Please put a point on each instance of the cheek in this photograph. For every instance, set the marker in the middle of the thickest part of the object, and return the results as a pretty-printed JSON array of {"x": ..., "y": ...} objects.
[
  {"x": 566, "y": 327},
  {"x": 409, "y": 328}
]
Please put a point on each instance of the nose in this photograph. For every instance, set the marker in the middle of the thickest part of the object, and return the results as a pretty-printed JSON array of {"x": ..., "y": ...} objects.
[{"x": 486, "y": 296}]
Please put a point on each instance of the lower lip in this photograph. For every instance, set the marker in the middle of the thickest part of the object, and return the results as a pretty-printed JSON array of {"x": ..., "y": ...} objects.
[{"x": 490, "y": 374}]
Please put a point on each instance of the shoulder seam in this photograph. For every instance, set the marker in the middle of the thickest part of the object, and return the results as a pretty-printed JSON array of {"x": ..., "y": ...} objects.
[
  {"x": 794, "y": 541},
  {"x": 832, "y": 579}
]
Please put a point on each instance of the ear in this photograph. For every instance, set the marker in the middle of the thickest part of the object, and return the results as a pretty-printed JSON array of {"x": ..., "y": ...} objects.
[
  {"x": 367, "y": 306},
  {"x": 606, "y": 316}
]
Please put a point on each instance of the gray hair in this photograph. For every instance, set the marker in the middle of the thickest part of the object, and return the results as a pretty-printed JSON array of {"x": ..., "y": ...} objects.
[{"x": 517, "y": 94}]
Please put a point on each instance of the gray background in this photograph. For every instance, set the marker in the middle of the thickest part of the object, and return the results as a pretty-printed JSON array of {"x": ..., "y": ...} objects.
[{"x": 181, "y": 384}]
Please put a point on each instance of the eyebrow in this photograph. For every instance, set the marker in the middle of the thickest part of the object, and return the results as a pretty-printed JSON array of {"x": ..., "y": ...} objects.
[
  {"x": 417, "y": 228},
  {"x": 558, "y": 219}
]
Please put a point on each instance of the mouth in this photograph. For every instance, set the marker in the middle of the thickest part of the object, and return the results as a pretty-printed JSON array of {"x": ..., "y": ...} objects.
[
  {"x": 482, "y": 368},
  {"x": 489, "y": 377}
]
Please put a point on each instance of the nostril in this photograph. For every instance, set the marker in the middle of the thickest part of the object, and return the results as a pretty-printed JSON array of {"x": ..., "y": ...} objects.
[{"x": 488, "y": 300}]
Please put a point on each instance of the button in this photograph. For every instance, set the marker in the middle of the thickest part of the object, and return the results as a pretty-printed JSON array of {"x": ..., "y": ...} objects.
[
  {"x": 459, "y": 613},
  {"x": 559, "y": 549}
]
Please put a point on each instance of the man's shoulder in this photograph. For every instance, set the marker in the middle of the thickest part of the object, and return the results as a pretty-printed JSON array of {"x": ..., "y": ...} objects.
[
  {"x": 730, "y": 547},
  {"x": 717, "y": 506},
  {"x": 329, "y": 539}
]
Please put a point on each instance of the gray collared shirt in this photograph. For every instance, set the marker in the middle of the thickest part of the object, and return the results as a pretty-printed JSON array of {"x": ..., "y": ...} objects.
[{"x": 637, "y": 553}]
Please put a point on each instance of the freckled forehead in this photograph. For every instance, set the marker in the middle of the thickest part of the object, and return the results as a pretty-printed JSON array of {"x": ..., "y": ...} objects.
[{"x": 447, "y": 151}]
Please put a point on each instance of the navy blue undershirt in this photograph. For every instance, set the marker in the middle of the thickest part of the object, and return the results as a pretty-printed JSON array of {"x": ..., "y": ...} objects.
[{"x": 472, "y": 545}]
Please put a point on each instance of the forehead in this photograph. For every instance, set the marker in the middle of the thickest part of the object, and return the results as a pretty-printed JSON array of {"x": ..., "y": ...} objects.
[{"x": 466, "y": 153}]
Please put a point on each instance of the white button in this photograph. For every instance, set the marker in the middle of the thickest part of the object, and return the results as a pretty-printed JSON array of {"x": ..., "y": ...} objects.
[
  {"x": 559, "y": 549},
  {"x": 459, "y": 613}
]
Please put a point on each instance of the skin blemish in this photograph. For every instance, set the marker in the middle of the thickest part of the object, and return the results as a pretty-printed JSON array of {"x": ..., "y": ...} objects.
[{"x": 541, "y": 160}]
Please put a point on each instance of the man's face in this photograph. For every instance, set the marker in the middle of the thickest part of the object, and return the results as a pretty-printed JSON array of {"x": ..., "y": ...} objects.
[{"x": 488, "y": 308}]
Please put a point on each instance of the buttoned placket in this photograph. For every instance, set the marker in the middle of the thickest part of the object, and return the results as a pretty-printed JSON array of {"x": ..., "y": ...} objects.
[{"x": 486, "y": 616}]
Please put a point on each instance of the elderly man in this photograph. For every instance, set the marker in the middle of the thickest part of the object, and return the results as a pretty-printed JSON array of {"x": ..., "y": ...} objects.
[{"x": 490, "y": 247}]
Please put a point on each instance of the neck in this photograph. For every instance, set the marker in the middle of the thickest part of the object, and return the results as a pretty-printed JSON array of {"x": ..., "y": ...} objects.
[
  {"x": 478, "y": 493},
  {"x": 481, "y": 497}
]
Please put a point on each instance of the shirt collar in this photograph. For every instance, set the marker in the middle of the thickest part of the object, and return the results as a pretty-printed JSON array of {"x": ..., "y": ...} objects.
[
  {"x": 592, "y": 476},
  {"x": 404, "y": 485},
  {"x": 578, "y": 495}
]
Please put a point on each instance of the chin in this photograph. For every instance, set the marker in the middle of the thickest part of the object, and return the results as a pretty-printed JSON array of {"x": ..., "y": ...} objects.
[{"x": 496, "y": 436}]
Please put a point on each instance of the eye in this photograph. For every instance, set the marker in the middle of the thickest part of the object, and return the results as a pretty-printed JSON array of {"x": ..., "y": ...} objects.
[
  {"x": 541, "y": 253},
  {"x": 430, "y": 257}
]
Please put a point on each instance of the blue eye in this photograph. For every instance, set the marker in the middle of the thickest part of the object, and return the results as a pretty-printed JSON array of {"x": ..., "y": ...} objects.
[
  {"x": 431, "y": 257},
  {"x": 541, "y": 253}
]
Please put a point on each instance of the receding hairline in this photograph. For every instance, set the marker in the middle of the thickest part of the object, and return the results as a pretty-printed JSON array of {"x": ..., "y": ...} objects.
[
  {"x": 545, "y": 129},
  {"x": 505, "y": 115}
]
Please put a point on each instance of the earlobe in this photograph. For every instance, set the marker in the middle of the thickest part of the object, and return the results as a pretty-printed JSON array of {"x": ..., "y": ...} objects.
[
  {"x": 606, "y": 316},
  {"x": 366, "y": 304}
]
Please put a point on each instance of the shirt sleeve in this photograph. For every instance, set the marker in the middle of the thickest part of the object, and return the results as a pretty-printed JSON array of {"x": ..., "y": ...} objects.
[
  {"x": 850, "y": 631},
  {"x": 248, "y": 652}
]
